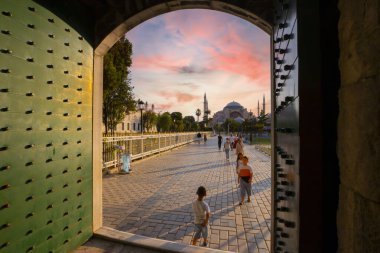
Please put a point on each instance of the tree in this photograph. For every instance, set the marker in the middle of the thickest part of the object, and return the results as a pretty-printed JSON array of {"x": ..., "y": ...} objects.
[
  {"x": 261, "y": 122},
  {"x": 117, "y": 91},
  {"x": 176, "y": 115},
  {"x": 189, "y": 123},
  {"x": 218, "y": 128},
  {"x": 249, "y": 124},
  {"x": 164, "y": 122},
  {"x": 198, "y": 113},
  {"x": 149, "y": 120},
  {"x": 177, "y": 121},
  {"x": 116, "y": 105},
  {"x": 262, "y": 118},
  {"x": 179, "y": 126},
  {"x": 259, "y": 127},
  {"x": 231, "y": 125}
]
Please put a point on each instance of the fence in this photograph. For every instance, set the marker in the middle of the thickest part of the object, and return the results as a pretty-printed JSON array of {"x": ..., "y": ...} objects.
[{"x": 139, "y": 146}]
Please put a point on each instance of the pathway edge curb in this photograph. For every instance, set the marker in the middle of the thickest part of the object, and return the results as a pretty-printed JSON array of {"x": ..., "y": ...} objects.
[{"x": 150, "y": 243}]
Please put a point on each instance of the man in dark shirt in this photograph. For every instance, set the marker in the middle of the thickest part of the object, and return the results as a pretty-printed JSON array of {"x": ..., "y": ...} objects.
[{"x": 220, "y": 138}]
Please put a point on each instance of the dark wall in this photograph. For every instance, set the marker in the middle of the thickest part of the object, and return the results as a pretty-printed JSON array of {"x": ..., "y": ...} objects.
[
  {"x": 319, "y": 85},
  {"x": 75, "y": 13},
  {"x": 330, "y": 76}
]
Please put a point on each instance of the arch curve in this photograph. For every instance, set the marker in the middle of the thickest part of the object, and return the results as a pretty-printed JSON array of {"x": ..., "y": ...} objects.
[{"x": 116, "y": 18}]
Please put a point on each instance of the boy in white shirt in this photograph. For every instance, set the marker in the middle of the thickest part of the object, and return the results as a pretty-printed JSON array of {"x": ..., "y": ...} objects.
[{"x": 202, "y": 214}]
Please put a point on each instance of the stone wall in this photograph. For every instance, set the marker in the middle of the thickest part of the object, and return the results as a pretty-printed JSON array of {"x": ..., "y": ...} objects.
[{"x": 359, "y": 127}]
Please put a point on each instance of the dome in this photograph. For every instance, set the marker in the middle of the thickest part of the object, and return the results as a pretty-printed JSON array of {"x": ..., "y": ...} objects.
[{"x": 233, "y": 105}]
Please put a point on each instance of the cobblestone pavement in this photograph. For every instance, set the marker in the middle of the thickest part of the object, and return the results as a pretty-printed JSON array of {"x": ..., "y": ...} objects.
[{"x": 155, "y": 199}]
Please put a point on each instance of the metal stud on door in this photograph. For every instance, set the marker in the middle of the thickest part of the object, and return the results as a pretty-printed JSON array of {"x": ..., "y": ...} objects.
[{"x": 286, "y": 129}]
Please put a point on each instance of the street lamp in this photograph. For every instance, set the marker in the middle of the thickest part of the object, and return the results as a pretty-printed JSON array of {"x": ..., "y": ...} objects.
[{"x": 141, "y": 108}]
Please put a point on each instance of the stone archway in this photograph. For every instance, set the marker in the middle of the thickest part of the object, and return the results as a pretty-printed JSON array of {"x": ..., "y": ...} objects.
[
  {"x": 123, "y": 16},
  {"x": 41, "y": 22},
  {"x": 298, "y": 93},
  {"x": 117, "y": 17}
]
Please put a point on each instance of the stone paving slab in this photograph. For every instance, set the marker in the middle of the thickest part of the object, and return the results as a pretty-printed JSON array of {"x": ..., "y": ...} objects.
[{"x": 155, "y": 199}]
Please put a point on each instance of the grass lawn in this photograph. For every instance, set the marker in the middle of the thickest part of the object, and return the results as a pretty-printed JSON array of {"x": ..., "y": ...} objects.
[
  {"x": 260, "y": 141},
  {"x": 263, "y": 144}
]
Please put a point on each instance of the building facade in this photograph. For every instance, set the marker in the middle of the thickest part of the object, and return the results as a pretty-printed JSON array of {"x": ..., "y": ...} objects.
[
  {"x": 232, "y": 110},
  {"x": 132, "y": 122}
]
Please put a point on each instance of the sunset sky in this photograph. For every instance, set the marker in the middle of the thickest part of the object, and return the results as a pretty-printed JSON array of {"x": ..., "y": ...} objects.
[{"x": 179, "y": 56}]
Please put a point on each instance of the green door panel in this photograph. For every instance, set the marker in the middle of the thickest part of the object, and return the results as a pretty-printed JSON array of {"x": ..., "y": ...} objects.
[{"x": 46, "y": 70}]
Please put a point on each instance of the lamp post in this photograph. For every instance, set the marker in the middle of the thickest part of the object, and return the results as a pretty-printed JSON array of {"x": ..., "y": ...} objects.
[{"x": 141, "y": 108}]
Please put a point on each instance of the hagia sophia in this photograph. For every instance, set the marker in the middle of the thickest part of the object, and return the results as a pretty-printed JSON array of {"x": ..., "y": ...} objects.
[{"x": 233, "y": 110}]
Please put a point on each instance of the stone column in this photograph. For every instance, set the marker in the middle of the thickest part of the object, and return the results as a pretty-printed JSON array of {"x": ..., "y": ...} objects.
[
  {"x": 359, "y": 127},
  {"x": 97, "y": 143}
]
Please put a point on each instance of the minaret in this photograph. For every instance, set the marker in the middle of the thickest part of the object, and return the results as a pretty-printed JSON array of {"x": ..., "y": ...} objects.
[
  {"x": 205, "y": 108},
  {"x": 258, "y": 108},
  {"x": 264, "y": 104}
]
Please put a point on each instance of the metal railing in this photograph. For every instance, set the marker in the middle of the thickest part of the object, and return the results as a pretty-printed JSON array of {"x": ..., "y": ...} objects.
[{"x": 139, "y": 146}]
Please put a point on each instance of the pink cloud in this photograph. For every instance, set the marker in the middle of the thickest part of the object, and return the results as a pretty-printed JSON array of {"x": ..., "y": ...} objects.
[
  {"x": 193, "y": 28},
  {"x": 157, "y": 61},
  {"x": 239, "y": 56},
  {"x": 208, "y": 48},
  {"x": 201, "y": 43},
  {"x": 181, "y": 97},
  {"x": 184, "y": 97},
  {"x": 165, "y": 94},
  {"x": 227, "y": 46},
  {"x": 241, "y": 63},
  {"x": 163, "y": 107}
]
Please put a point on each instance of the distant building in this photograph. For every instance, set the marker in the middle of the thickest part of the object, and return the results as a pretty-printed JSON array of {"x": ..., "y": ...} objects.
[
  {"x": 132, "y": 122},
  {"x": 263, "y": 106},
  {"x": 232, "y": 110},
  {"x": 205, "y": 108}
]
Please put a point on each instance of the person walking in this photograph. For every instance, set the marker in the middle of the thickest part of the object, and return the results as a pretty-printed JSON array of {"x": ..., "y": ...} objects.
[
  {"x": 239, "y": 147},
  {"x": 227, "y": 148},
  {"x": 205, "y": 138},
  {"x": 220, "y": 138},
  {"x": 199, "y": 137},
  {"x": 245, "y": 180},
  {"x": 239, "y": 162},
  {"x": 201, "y": 216}
]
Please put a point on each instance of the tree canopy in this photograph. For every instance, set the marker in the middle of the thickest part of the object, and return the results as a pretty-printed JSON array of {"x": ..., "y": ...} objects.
[
  {"x": 231, "y": 125},
  {"x": 262, "y": 118},
  {"x": 190, "y": 124},
  {"x": 150, "y": 119},
  {"x": 118, "y": 95},
  {"x": 164, "y": 122},
  {"x": 198, "y": 112}
]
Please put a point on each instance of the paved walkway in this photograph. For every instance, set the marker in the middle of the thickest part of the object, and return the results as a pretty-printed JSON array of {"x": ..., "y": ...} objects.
[{"x": 155, "y": 199}]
